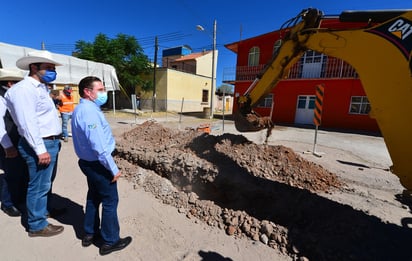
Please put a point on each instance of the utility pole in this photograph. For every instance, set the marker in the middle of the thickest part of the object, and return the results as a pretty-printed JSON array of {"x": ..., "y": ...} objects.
[
  {"x": 212, "y": 87},
  {"x": 154, "y": 74},
  {"x": 213, "y": 70}
]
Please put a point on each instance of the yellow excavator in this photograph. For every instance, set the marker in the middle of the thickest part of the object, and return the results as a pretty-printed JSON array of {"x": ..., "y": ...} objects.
[{"x": 380, "y": 52}]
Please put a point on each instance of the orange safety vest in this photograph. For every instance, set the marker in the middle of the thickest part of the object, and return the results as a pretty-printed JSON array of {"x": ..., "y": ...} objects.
[{"x": 67, "y": 103}]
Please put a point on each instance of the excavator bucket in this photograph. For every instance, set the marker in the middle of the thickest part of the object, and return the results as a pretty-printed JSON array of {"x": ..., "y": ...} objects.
[{"x": 251, "y": 122}]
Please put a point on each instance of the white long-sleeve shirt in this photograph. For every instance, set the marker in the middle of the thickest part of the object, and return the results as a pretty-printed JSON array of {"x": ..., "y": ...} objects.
[
  {"x": 4, "y": 137},
  {"x": 33, "y": 111}
]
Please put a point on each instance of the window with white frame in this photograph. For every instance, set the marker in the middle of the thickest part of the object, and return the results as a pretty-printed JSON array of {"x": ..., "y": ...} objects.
[
  {"x": 266, "y": 102},
  {"x": 359, "y": 105},
  {"x": 254, "y": 54},
  {"x": 306, "y": 102},
  {"x": 276, "y": 46}
]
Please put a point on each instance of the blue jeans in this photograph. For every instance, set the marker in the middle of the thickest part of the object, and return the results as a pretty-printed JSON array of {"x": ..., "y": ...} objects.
[
  {"x": 39, "y": 182},
  {"x": 5, "y": 194},
  {"x": 15, "y": 181},
  {"x": 101, "y": 191},
  {"x": 65, "y": 120}
]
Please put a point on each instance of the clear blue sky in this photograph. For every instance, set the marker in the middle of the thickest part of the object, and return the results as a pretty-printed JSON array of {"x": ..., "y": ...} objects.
[{"x": 59, "y": 24}]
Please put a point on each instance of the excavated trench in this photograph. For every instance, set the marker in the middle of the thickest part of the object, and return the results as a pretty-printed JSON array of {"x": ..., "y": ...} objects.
[{"x": 267, "y": 193}]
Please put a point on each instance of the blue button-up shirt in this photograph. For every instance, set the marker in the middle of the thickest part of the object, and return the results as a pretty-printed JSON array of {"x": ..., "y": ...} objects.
[{"x": 92, "y": 135}]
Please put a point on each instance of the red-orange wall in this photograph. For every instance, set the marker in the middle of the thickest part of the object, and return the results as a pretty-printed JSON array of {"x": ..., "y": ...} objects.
[
  {"x": 338, "y": 92},
  {"x": 336, "y": 102},
  {"x": 264, "y": 42}
]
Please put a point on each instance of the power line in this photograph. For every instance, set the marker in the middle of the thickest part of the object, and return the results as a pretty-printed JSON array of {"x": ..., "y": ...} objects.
[
  {"x": 173, "y": 37},
  {"x": 144, "y": 42}
]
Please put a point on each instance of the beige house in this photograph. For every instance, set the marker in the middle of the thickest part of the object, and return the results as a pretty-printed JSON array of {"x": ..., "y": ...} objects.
[{"x": 183, "y": 83}]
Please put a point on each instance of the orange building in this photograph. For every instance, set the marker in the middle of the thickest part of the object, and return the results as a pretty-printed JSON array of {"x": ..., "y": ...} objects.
[{"x": 292, "y": 102}]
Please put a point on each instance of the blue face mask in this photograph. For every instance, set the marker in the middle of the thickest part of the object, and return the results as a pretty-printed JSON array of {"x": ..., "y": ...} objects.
[
  {"x": 101, "y": 98},
  {"x": 49, "y": 76}
]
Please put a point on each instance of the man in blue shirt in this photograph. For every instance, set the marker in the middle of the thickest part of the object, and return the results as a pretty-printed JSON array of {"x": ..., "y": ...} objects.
[
  {"x": 94, "y": 143},
  {"x": 38, "y": 124}
]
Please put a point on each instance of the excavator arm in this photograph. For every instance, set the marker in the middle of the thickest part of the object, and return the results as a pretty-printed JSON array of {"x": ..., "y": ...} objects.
[
  {"x": 380, "y": 54},
  {"x": 289, "y": 53}
]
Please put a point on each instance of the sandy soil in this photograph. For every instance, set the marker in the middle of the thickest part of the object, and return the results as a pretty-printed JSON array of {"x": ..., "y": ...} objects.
[{"x": 190, "y": 196}]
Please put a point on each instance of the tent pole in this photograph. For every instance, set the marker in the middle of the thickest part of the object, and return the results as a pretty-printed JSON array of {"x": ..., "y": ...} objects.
[{"x": 114, "y": 103}]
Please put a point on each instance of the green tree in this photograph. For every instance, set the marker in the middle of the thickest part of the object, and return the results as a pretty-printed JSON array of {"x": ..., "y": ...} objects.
[
  {"x": 124, "y": 53},
  {"x": 227, "y": 89}
]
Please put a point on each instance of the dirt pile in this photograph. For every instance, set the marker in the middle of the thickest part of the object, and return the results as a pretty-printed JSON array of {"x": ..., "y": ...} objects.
[
  {"x": 226, "y": 181},
  {"x": 266, "y": 193}
]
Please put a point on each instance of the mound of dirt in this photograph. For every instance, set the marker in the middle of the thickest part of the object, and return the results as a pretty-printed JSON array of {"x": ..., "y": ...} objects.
[
  {"x": 188, "y": 157},
  {"x": 226, "y": 181},
  {"x": 266, "y": 193}
]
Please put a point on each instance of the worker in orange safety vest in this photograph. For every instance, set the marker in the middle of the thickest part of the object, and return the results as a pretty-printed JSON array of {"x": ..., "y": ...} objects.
[{"x": 66, "y": 108}]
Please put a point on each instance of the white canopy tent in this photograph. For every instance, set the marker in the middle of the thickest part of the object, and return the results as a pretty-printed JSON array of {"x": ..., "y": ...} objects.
[{"x": 72, "y": 71}]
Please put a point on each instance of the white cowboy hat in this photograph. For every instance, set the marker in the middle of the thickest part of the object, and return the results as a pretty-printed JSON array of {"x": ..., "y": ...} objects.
[
  {"x": 36, "y": 57},
  {"x": 11, "y": 74}
]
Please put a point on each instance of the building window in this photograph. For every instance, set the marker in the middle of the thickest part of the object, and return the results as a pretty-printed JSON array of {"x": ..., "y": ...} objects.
[
  {"x": 311, "y": 104},
  {"x": 302, "y": 102},
  {"x": 266, "y": 102},
  {"x": 313, "y": 64},
  {"x": 312, "y": 57},
  {"x": 359, "y": 105},
  {"x": 276, "y": 47},
  {"x": 306, "y": 102},
  {"x": 205, "y": 96},
  {"x": 254, "y": 56}
]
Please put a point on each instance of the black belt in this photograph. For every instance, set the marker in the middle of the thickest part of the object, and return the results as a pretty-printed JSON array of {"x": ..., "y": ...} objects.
[{"x": 53, "y": 137}]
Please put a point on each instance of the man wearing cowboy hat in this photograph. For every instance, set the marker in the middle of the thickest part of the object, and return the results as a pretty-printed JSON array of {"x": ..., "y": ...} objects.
[
  {"x": 13, "y": 192},
  {"x": 35, "y": 115}
]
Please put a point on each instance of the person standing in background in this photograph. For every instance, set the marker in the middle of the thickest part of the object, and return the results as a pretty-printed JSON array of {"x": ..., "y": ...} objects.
[
  {"x": 66, "y": 108},
  {"x": 53, "y": 211},
  {"x": 94, "y": 144},
  {"x": 55, "y": 95},
  {"x": 38, "y": 124},
  {"x": 13, "y": 192},
  {"x": 138, "y": 99}
]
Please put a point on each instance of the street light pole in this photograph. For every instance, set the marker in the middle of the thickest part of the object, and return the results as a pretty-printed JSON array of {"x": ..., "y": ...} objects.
[
  {"x": 213, "y": 70},
  {"x": 212, "y": 86}
]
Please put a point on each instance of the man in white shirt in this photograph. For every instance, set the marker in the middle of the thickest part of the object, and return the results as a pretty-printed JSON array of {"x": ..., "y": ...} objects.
[{"x": 38, "y": 124}]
